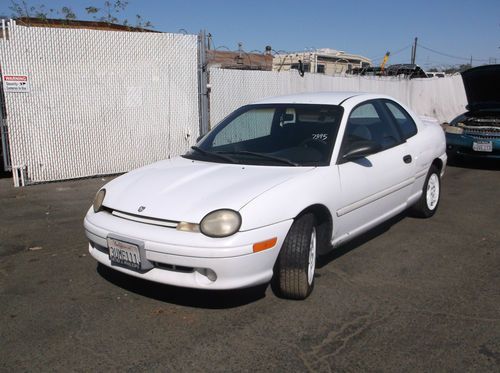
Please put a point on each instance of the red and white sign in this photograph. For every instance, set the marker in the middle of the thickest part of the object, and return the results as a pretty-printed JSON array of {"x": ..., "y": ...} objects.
[{"x": 16, "y": 83}]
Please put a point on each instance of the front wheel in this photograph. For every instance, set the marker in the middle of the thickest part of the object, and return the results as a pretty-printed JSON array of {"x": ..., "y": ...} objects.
[
  {"x": 428, "y": 203},
  {"x": 294, "y": 269}
]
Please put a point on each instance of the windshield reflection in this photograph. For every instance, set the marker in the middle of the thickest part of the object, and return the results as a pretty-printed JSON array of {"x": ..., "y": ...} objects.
[{"x": 273, "y": 134}]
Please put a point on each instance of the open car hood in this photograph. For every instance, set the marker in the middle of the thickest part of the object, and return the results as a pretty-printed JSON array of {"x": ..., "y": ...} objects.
[{"x": 481, "y": 87}]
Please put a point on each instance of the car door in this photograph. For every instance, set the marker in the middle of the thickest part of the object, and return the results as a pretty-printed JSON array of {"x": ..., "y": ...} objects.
[
  {"x": 374, "y": 187},
  {"x": 408, "y": 130}
]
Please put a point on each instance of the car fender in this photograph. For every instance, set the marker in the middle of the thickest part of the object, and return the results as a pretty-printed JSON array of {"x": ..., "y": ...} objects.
[
  {"x": 286, "y": 201},
  {"x": 431, "y": 142}
]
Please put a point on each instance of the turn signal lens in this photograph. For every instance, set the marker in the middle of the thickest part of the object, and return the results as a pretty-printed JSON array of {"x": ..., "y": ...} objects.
[
  {"x": 99, "y": 199},
  {"x": 264, "y": 245},
  {"x": 188, "y": 227},
  {"x": 453, "y": 129}
]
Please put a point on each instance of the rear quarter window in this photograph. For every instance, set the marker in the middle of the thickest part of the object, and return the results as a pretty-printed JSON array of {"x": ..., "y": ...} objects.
[{"x": 403, "y": 120}]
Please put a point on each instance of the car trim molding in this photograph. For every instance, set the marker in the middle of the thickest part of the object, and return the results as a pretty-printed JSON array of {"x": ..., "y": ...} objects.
[
  {"x": 374, "y": 197},
  {"x": 420, "y": 173},
  {"x": 163, "y": 223}
]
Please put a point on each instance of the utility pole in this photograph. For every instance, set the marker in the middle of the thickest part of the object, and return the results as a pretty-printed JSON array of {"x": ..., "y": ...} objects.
[
  {"x": 203, "y": 83},
  {"x": 209, "y": 41},
  {"x": 414, "y": 52}
]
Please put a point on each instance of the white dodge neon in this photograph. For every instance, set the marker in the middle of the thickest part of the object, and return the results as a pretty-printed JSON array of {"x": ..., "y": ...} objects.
[{"x": 266, "y": 191}]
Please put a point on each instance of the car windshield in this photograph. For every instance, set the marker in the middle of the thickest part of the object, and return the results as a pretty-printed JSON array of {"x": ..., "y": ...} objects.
[{"x": 273, "y": 134}]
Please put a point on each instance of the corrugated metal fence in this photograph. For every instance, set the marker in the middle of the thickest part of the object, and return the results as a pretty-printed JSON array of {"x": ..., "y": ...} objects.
[
  {"x": 99, "y": 102},
  {"x": 442, "y": 98}
]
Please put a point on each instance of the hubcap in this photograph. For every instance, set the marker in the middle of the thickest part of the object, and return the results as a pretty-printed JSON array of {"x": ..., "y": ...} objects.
[
  {"x": 312, "y": 257},
  {"x": 432, "y": 195}
]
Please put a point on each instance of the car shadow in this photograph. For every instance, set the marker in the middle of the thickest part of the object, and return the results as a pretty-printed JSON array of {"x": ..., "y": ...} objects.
[
  {"x": 224, "y": 299},
  {"x": 211, "y": 299},
  {"x": 5, "y": 174},
  {"x": 478, "y": 164},
  {"x": 337, "y": 252}
]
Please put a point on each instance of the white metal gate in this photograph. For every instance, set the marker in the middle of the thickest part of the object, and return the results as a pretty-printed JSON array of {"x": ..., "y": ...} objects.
[{"x": 97, "y": 102}]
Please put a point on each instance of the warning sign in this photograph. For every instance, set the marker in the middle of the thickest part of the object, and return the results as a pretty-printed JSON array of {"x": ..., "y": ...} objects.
[{"x": 16, "y": 83}]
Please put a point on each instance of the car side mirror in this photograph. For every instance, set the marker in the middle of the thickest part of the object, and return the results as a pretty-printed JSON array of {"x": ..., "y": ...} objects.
[{"x": 360, "y": 149}]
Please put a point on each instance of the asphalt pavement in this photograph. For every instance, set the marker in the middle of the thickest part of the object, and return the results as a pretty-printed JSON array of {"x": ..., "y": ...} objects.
[{"x": 411, "y": 295}]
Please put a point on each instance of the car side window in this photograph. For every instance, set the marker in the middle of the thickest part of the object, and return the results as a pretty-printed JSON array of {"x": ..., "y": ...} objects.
[
  {"x": 403, "y": 120},
  {"x": 368, "y": 123}
]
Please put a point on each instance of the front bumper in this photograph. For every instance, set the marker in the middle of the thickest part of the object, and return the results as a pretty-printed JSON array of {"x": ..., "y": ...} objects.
[
  {"x": 183, "y": 258},
  {"x": 461, "y": 145}
]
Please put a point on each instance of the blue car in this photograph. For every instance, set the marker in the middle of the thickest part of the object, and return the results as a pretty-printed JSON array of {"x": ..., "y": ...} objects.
[{"x": 476, "y": 133}]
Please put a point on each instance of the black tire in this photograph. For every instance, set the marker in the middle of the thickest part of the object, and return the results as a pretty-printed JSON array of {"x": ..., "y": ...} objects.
[
  {"x": 293, "y": 277},
  {"x": 427, "y": 207}
]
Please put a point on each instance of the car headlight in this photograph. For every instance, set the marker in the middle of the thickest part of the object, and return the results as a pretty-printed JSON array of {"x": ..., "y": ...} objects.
[
  {"x": 454, "y": 129},
  {"x": 99, "y": 199},
  {"x": 220, "y": 223}
]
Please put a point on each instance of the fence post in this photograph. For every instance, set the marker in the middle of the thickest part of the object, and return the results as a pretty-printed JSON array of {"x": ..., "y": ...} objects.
[
  {"x": 4, "y": 133},
  {"x": 4, "y": 136},
  {"x": 202, "y": 83}
]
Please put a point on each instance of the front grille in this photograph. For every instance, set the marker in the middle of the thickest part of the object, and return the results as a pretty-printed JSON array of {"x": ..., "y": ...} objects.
[
  {"x": 175, "y": 268},
  {"x": 482, "y": 128},
  {"x": 143, "y": 219},
  {"x": 481, "y": 135},
  {"x": 102, "y": 249}
]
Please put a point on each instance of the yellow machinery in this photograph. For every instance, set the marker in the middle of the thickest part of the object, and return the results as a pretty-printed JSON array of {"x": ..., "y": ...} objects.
[{"x": 384, "y": 61}]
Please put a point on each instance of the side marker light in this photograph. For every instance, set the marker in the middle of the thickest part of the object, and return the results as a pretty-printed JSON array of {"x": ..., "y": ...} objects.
[{"x": 264, "y": 245}]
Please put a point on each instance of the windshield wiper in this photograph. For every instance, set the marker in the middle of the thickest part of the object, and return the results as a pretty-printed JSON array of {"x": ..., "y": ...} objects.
[
  {"x": 216, "y": 155},
  {"x": 262, "y": 155}
]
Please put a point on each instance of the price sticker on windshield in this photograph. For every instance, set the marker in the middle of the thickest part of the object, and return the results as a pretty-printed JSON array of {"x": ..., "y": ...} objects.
[{"x": 320, "y": 136}]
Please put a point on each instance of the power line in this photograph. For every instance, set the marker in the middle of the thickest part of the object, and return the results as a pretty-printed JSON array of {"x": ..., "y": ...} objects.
[
  {"x": 401, "y": 50},
  {"x": 450, "y": 55},
  {"x": 393, "y": 53}
]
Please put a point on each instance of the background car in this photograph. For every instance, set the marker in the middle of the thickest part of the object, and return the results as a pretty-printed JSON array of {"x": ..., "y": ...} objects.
[
  {"x": 476, "y": 133},
  {"x": 270, "y": 188}
]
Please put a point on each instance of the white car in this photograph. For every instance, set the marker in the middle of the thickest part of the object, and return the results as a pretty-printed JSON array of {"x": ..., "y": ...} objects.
[{"x": 266, "y": 191}]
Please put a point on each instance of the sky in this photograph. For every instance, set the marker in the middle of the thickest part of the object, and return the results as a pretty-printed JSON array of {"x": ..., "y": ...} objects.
[{"x": 449, "y": 32}]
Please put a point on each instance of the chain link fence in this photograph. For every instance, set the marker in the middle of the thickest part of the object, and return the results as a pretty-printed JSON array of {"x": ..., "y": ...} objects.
[
  {"x": 81, "y": 102},
  {"x": 96, "y": 102}
]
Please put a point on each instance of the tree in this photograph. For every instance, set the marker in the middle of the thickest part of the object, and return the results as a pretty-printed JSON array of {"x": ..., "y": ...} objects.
[
  {"x": 68, "y": 13},
  {"x": 23, "y": 9},
  {"x": 109, "y": 12},
  {"x": 457, "y": 69}
]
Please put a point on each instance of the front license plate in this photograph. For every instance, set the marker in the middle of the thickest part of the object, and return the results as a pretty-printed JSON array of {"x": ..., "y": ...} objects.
[
  {"x": 483, "y": 146},
  {"x": 124, "y": 253}
]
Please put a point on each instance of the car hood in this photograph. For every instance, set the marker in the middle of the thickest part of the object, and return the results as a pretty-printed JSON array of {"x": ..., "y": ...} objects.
[
  {"x": 185, "y": 190},
  {"x": 481, "y": 87}
]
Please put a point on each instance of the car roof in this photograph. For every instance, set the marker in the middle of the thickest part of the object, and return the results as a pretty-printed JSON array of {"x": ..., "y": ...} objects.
[{"x": 322, "y": 98}]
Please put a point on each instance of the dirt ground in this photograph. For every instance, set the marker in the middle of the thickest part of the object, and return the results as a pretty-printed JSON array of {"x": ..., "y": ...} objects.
[{"x": 412, "y": 295}]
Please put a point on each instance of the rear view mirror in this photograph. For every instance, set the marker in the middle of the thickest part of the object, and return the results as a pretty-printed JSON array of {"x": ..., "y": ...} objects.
[{"x": 288, "y": 117}]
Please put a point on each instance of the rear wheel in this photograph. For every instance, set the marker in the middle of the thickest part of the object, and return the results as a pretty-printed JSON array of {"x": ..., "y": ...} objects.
[
  {"x": 431, "y": 193},
  {"x": 296, "y": 263}
]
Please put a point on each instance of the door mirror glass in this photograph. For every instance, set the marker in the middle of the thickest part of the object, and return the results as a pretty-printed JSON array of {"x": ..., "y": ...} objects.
[{"x": 360, "y": 149}]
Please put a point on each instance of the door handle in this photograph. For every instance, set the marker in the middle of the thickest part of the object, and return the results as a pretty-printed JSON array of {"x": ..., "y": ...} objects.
[{"x": 407, "y": 158}]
